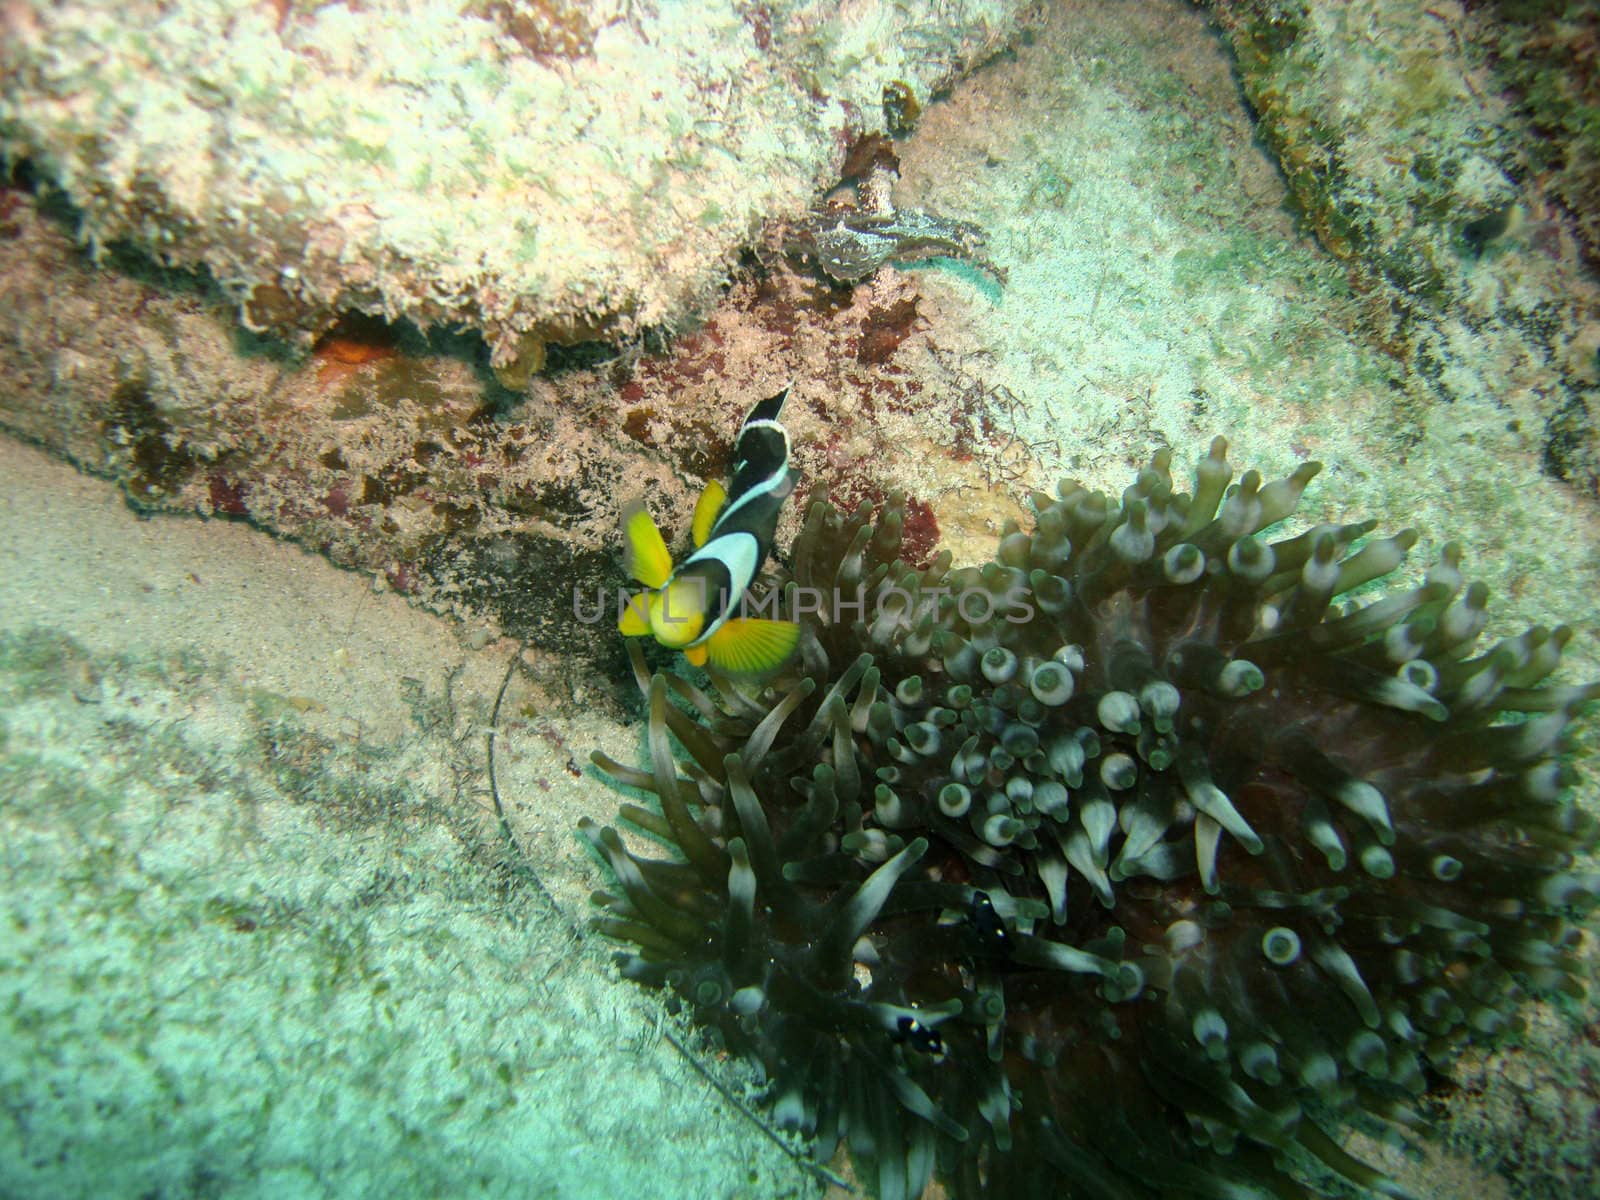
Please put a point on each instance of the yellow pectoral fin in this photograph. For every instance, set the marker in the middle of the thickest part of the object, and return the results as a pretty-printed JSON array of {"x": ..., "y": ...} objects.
[
  {"x": 635, "y": 618},
  {"x": 706, "y": 511},
  {"x": 644, "y": 554},
  {"x": 696, "y": 655},
  {"x": 752, "y": 645}
]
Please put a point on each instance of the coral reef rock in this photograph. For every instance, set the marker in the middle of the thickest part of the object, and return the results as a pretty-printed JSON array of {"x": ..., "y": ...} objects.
[
  {"x": 1465, "y": 217},
  {"x": 548, "y": 171}
]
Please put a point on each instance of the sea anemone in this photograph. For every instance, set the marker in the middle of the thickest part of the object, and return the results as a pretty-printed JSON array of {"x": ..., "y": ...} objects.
[{"x": 1133, "y": 863}]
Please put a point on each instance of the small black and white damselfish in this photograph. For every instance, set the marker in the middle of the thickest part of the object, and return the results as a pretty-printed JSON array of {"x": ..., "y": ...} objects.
[{"x": 698, "y": 606}]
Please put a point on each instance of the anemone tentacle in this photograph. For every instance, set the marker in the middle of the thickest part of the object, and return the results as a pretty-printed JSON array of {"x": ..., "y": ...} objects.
[{"x": 1129, "y": 864}]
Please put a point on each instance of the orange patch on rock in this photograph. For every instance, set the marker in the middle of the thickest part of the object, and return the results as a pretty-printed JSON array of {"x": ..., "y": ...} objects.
[{"x": 349, "y": 346}]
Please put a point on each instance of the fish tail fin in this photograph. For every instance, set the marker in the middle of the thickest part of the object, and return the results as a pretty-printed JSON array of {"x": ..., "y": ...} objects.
[{"x": 769, "y": 409}]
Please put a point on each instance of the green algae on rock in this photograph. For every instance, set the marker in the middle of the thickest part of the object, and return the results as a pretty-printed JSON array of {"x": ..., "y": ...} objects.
[{"x": 1134, "y": 860}]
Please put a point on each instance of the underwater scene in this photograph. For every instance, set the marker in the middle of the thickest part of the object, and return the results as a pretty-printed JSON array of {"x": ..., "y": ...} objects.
[{"x": 781, "y": 600}]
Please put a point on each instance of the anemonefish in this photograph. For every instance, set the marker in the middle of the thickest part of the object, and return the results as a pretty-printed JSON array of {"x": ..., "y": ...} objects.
[{"x": 697, "y": 607}]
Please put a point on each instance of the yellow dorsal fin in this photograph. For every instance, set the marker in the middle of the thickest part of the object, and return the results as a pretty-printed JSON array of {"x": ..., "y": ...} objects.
[
  {"x": 644, "y": 554},
  {"x": 706, "y": 511},
  {"x": 752, "y": 645},
  {"x": 635, "y": 618}
]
